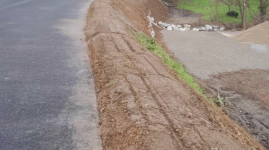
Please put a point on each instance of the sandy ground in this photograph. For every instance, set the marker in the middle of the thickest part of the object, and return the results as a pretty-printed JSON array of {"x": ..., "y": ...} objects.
[
  {"x": 142, "y": 104},
  {"x": 238, "y": 71},
  {"x": 258, "y": 34}
]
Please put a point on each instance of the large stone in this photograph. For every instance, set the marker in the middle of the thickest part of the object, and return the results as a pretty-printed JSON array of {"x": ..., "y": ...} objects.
[
  {"x": 195, "y": 29},
  {"x": 202, "y": 29},
  {"x": 174, "y": 27},
  {"x": 187, "y": 26},
  {"x": 179, "y": 26},
  {"x": 215, "y": 27},
  {"x": 222, "y": 28},
  {"x": 160, "y": 23},
  {"x": 165, "y": 25},
  {"x": 169, "y": 28},
  {"x": 209, "y": 27},
  {"x": 184, "y": 29}
]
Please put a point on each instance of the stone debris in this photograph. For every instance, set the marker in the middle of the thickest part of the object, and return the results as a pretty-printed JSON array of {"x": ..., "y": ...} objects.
[
  {"x": 202, "y": 29},
  {"x": 187, "y": 27},
  {"x": 169, "y": 28},
  {"x": 184, "y": 27},
  {"x": 208, "y": 27},
  {"x": 195, "y": 29},
  {"x": 222, "y": 28}
]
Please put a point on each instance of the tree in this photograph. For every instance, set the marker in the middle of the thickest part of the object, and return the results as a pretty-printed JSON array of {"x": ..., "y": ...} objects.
[
  {"x": 242, "y": 4},
  {"x": 217, "y": 2},
  {"x": 263, "y": 8},
  {"x": 244, "y": 14}
]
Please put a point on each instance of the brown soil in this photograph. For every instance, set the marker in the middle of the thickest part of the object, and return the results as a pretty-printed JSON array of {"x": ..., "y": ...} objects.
[
  {"x": 246, "y": 99},
  {"x": 142, "y": 104},
  {"x": 181, "y": 16}
]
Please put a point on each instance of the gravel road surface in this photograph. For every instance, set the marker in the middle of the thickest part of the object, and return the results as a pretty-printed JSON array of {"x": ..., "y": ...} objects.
[{"x": 210, "y": 53}]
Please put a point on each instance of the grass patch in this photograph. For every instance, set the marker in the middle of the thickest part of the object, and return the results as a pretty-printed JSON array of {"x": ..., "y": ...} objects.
[
  {"x": 155, "y": 48},
  {"x": 208, "y": 10}
]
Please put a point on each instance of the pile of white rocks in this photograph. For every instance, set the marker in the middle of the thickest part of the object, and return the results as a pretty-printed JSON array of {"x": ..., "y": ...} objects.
[{"x": 187, "y": 27}]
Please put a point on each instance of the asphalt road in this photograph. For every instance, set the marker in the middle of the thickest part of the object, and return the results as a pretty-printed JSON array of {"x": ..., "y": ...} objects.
[{"x": 47, "y": 98}]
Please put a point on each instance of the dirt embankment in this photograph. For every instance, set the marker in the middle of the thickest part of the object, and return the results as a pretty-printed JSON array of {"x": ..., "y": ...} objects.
[{"x": 142, "y": 104}]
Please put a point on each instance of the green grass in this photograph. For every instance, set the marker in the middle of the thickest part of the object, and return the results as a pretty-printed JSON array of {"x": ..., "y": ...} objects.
[
  {"x": 155, "y": 48},
  {"x": 208, "y": 10}
]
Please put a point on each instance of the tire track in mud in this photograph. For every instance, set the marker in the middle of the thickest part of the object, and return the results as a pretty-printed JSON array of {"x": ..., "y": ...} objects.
[{"x": 171, "y": 126}]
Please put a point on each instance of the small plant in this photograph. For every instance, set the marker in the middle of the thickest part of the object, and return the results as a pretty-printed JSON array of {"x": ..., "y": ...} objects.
[
  {"x": 155, "y": 48},
  {"x": 220, "y": 100}
]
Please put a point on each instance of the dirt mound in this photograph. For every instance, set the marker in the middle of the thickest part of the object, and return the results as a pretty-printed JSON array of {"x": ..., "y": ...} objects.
[
  {"x": 142, "y": 104},
  {"x": 258, "y": 34}
]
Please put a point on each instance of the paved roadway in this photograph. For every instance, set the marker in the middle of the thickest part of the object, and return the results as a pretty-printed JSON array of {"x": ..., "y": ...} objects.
[{"x": 47, "y": 99}]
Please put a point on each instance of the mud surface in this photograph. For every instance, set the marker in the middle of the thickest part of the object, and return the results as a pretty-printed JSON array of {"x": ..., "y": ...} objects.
[
  {"x": 239, "y": 72},
  {"x": 246, "y": 99},
  {"x": 142, "y": 104}
]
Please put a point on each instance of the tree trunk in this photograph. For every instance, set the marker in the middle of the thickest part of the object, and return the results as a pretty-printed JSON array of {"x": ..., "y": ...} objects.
[
  {"x": 217, "y": 12},
  {"x": 244, "y": 14},
  {"x": 263, "y": 7}
]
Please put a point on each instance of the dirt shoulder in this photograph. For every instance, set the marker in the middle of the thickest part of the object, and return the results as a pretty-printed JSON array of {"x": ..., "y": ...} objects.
[{"x": 142, "y": 104}]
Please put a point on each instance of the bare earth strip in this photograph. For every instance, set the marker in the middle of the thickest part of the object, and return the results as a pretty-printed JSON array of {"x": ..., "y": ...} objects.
[{"x": 142, "y": 104}]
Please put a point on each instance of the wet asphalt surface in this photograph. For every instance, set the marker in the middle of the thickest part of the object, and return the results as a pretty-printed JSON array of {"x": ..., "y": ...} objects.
[{"x": 47, "y": 99}]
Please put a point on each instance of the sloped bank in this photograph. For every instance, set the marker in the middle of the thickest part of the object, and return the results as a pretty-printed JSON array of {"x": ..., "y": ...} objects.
[{"x": 142, "y": 104}]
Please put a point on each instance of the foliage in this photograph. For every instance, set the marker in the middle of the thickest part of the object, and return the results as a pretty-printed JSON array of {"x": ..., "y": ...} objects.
[{"x": 208, "y": 9}]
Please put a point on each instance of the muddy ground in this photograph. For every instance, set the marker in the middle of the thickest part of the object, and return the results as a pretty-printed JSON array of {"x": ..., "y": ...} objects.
[
  {"x": 246, "y": 99},
  {"x": 239, "y": 72},
  {"x": 142, "y": 104}
]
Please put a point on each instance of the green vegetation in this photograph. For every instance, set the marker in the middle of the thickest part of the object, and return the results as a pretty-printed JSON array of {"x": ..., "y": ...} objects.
[
  {"x": 219, "y": 100},
  {"x": 155, "y": 48},
  {"x": 208, "y": 9}
]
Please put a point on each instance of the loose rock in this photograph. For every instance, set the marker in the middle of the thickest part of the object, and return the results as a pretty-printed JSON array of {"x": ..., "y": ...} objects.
[
  {"x": 169, "y": 28},
  {"x": 209, "y": 28}
]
